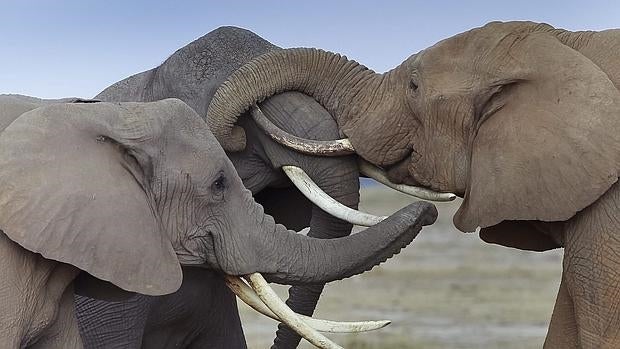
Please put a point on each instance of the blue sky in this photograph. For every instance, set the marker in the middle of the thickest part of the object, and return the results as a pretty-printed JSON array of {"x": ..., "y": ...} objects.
[{"x": 76, "y": 48}]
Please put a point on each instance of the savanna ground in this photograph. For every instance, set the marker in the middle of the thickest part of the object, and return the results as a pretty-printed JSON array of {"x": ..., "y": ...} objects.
[{"x": 446, "y": 290}]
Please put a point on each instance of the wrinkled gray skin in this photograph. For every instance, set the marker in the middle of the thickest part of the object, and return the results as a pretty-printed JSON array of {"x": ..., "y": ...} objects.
[
  {"x": 128, "y": 193},
  {"x": 166, "y": 321},
  {"x": 193, "y": 74}
]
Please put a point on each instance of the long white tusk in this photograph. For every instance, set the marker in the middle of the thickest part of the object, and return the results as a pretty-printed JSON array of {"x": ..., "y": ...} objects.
[
  {"x": 338, "y": 147},
  {"x": 379, "y": 175},
  {"x": 249, "y": 297},
  {"x": 328, "y": 204},
  {"x": 282, "y": 311}
]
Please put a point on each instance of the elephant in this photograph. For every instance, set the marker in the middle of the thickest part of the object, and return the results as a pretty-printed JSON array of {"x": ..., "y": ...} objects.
[
  {"x": 165, "y": 321},
  {"x": 127, "y": 193},
  {"x": 521, "y": 119},
  {"x": 192, "y": 74}
]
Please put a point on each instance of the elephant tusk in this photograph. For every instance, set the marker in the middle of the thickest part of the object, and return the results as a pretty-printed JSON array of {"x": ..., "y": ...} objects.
[
  {"x": 340, "y": 147},
  {"x": 337, "y": 147},
  {"x": 328, "y": 204},
  {"x": 249, "y": 297},
  {"x": 379, "y": 175},
  {"x": 287, "y": 316}
]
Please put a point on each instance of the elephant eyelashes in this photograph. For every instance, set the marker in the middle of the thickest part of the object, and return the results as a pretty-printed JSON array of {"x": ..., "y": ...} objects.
[{"x": 218, "y": 186}]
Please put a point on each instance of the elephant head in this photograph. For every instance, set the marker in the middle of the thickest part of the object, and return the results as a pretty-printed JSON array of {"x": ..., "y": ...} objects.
[
  {"x": 518, "y": 118},
  {"x": 128, "y": 192}
]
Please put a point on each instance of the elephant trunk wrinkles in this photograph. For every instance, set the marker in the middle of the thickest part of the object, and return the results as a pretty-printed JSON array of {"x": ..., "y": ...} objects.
[
  {"x": 291, "y": 258},
  {"x": 333, "y": 80}
]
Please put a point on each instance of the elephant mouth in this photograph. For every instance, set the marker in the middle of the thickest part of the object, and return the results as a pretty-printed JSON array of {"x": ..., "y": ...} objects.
[
  {"x": 399, "y": 172},
  {"x": 211, "y": 260}
]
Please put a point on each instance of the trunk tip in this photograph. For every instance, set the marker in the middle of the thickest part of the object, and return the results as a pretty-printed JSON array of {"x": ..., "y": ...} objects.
[{"x": 236, "y": 141}]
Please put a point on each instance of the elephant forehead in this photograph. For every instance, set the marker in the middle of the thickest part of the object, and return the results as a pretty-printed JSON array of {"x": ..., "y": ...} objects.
[{"x": 464, "y": 47}]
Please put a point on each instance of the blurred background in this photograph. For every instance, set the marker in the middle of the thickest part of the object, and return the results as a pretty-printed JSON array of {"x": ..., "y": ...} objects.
[{"x": 447, "y": 289}]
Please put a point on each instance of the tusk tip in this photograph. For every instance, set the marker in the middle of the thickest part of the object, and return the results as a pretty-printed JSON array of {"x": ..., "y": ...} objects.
[{"x": 379, "y": 324}]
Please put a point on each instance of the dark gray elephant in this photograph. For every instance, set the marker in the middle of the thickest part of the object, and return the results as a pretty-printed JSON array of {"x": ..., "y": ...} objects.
[
  {"x": 165, "y": 321},
  {"x": 193, "y": 74},
  {"x": 129, "y": 192}
]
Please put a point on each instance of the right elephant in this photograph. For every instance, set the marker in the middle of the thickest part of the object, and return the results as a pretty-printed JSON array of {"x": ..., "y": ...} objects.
[{"x": 520, "y": 119}]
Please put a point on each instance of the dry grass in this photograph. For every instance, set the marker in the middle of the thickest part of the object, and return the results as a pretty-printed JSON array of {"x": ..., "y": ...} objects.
[{"x": 446, "y": 290}]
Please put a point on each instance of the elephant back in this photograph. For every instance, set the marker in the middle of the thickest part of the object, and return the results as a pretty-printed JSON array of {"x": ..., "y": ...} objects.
[
  {"x": 14, "y": 105},
  {"x": 194, "y": 72}
]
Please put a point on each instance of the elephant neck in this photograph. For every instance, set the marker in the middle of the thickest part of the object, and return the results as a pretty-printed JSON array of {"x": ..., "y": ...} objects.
[{"x": 352, "y": 99}]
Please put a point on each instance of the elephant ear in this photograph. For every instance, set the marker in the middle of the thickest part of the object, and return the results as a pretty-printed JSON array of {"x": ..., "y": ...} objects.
[
  {"x": 552, "y": 148},
  {"x": 74, "y": 189}
]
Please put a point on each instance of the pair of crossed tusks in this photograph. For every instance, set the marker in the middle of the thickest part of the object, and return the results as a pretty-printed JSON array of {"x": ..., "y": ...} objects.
[
  {"x": 340, "y": 147},
  {"x": 261, "y": 297},
  {"x": 258, "y": 294}
]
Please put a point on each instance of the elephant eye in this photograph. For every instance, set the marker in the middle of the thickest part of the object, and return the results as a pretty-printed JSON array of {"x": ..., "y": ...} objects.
[
  {"x": 218, "y": 188},
  {"x": 413, "y": 85},
  {"x": 219, "y": 184}
]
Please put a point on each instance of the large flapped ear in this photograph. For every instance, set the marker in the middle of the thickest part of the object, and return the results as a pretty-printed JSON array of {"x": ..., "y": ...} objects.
[
  {"x": 554, "y": 146},
  {"x": 73, "y": 192}
]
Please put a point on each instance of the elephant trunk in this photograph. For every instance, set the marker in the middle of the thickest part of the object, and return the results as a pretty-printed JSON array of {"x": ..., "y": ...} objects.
[
  {"x": 332, "y": 79},
  {"x": 291, "y": 258}
]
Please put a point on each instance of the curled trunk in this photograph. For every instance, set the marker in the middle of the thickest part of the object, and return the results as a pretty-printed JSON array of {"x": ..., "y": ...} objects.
[{"x": 330, "y": 78}]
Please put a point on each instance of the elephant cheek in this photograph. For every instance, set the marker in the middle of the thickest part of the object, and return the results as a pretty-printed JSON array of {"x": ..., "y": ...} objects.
[
  {"x": 197, "y": 250},
  {"x": 461, "y": 173}
]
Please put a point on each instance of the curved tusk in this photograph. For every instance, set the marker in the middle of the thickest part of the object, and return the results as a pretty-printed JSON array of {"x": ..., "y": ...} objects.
[
  {"x": 287, "y": 316},
  {"x": 249, "y": 297},
  {"x": 328, "y": 204},
  {"x": 337, "y": 147},
  {"x": 340, "y": 147},
  {"x": 379, "y": 175}
]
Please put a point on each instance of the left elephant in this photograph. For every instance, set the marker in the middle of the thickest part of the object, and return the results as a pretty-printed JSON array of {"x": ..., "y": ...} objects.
[{"x": 128, "y": 193}]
